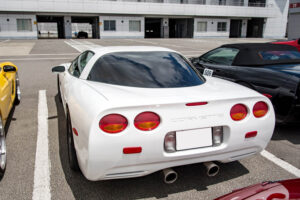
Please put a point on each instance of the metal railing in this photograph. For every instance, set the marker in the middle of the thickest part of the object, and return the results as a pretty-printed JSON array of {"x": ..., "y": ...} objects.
[
  {"x": 256, "y": 4},
  {"x": 200, "y": 2}
]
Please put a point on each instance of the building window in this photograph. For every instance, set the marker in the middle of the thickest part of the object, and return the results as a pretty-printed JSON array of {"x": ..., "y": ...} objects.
[
  {"x": 222, "y": 2},
  {"x": 201, "y": 26},
  {"x": 24, "y": 25},
  {"x": 222, "y": 26},
  {"x": 134, "y": 26},
  {"x": 109, "y": 25}
]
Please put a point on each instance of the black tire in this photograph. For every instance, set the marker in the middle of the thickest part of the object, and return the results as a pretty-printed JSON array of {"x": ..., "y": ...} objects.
[
  {"x": 73, "y": 162},
  {"x": 17, "y": 91},
  {"x": 58, "y": 89},
  {"x": 3, "y": 153}
]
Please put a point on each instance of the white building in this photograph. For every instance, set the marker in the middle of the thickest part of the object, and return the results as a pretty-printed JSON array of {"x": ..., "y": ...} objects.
[
  {"x": 144, "y": 18},
  {"x": 294, "y": 20}
]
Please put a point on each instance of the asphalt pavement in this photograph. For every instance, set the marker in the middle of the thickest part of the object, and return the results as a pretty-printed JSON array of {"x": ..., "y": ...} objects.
[{"x": 35, "y": 58}]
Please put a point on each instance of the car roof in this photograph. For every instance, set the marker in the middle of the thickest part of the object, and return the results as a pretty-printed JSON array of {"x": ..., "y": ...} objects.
[
  {"x": 260, "y": 46},
  {"x": 112, "y": 49},
  {"x": 248, "y": 54}
]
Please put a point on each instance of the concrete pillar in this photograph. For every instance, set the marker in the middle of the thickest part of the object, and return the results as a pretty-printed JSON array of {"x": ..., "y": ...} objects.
[
  {"x": 246, "y": 2},
  {"x": 68, "y": 27},
  {"x": 244, "y": 28},
  {"x": 165, "y": 28}
]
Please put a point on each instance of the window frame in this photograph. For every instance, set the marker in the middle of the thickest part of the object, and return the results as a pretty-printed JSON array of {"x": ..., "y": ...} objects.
[
  {"x": 22, "y": 20},
  {"x": 204, "y": 22},
  {"x": 109, "y": 25},
  {"x": 221, "y": 28},
  {"x": 140, "y": 25},
  {"x": 77, "y": 61}
]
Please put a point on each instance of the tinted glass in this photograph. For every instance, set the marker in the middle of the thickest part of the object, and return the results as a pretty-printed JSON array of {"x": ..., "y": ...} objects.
[
  {"x": 145, "y": 69},
  {"x": 279, "y": 55},
  {"x": 223, "y": 56},
  {"x": 84, "y": 59},
  {"x": 73, "y": 69}
]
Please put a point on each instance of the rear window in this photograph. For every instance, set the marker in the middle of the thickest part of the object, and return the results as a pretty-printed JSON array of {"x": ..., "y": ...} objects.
[
  {"x": 145, "y": 69},
  {"x": 279, "y": 55}
]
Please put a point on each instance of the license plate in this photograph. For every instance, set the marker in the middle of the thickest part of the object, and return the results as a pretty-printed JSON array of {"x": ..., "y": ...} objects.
[
  {"x": 193, "y": 139},
  {"x": 208, "y": 72}
]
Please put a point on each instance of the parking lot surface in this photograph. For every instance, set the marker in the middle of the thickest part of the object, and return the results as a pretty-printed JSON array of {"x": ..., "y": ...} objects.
[{"x": 35, "y": 58}]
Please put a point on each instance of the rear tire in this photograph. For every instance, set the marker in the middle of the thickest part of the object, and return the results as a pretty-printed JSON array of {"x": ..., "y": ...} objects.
[
  {"x": 17, "y": 91},
  {"x": 2, "y": 149},
  {"x": 73, "y": 162}
]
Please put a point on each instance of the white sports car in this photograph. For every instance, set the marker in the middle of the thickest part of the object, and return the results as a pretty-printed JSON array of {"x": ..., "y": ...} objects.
[{"x": 132, "y": 111}]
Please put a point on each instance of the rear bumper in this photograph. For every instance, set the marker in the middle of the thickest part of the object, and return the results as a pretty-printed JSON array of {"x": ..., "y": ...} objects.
[
  {"x": 107, "y": 161},
  {"x": 148, "y": 168}
]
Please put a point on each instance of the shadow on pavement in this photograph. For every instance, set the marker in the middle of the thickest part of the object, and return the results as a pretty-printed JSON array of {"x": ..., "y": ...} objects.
[
  {"x": 289, "y": 132},
  {"x": 191, "y": 177}
]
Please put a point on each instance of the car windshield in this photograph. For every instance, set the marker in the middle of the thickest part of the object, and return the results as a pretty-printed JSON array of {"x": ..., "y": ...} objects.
[
  {"x": 145, "y": 69},
  {"x": 221, "y": 55},
  {"x": 279, "y": 55}
]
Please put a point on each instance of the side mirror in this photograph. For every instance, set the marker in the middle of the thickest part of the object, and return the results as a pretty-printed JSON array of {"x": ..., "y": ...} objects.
[
  {"x": 9, "y": 68},
  {"x": 299, "y": 41},
  {"x": 195, "y": 60},
  {"x": 58, "y": 69}
]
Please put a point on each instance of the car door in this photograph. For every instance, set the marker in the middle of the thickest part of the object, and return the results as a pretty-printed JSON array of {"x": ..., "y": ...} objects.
[
  {"x": 218, "y": 63},
  {"x": 74, "y": 72}
]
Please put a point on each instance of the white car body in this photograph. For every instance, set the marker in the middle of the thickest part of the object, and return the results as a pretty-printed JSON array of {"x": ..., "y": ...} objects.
[{"x": 100, "y": 155}]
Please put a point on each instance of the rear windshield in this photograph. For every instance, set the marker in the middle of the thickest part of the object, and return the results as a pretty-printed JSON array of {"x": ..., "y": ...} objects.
[
  {"x": 145, "y": 69},
  {"x": 279, "y": 55}
]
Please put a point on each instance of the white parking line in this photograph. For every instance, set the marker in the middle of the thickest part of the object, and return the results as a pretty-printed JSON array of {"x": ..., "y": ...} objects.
[
  {"x": 81, "y": 45},
  {"x": 73, "y": 45},
  {"x": 287, "y": 166},
  {"x": 41, "y": 188}
]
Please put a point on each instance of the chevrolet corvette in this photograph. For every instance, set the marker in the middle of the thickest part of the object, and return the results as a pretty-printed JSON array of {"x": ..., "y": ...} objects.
[
  {"x": 285, "y": 190},
  {"x": 10, "y": 95},
  {"x": 271, "y": 69},
  {"x": 132, "y": 111}
]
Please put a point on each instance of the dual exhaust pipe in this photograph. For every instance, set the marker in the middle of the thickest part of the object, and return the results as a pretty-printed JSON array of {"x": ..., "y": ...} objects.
[{"x": 170, "y": 176}]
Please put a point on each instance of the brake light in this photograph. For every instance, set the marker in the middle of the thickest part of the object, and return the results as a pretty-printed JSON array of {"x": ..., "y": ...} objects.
[
  {"x": 113, "y": 123},
  {"x": 260, "y": 109},
  {"x": 196, "y": 104},
  {"x": 132, "y": 150},
  {"x": 238, "y": 112},
  {"x": 251, "y": 134},
  {"x": 268, "y": 96},
  {"x": 146, "y": 121}
]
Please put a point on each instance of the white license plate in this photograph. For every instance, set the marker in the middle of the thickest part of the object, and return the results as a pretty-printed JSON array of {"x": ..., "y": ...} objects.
[
  {"x": 208, "y": 72},
  {"x": 193, "y": 139}
]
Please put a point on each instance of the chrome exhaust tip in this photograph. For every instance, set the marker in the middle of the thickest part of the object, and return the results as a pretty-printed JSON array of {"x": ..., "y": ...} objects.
[
  {"x": 169, "y": 175},
  {"x": 212, "y": 168}
]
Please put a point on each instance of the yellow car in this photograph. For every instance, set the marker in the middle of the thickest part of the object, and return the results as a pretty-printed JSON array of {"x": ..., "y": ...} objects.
[{"x": 10, "y": 95}]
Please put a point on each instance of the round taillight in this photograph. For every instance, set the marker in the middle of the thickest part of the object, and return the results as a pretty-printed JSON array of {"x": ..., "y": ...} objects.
[
  {"x": 113, "y": 123},
  {"x": 260, "y": 109},
  {"x": 238, "y": 112},
  {"x": 146, "y": 121}
]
